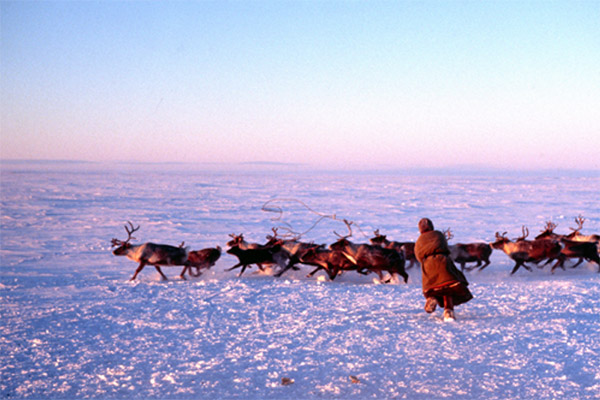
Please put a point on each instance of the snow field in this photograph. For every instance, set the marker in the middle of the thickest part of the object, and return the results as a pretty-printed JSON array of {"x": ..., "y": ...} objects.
[{"x": 72, "y": 325}]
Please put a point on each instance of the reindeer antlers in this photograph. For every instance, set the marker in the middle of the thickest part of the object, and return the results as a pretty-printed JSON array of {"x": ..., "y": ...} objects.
[
  {"x": 274, "y": 230},
  {"x": 448, "y": 233},
  {"x": 550, "y": 227},
  {"x": 349, "y": 226},
  {"x": 129, "y": 232},
  {"x": 579, "y": 221},
  {"x": 117, "y": 242},
  {"x": 525, "y": 233},
  {"x": 378, "y": 234},
  {"x": 501, "y": 237}
]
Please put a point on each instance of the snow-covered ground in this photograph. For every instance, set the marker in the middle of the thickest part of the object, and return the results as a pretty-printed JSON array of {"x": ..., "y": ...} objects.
[{"x": 73, "y": 326}]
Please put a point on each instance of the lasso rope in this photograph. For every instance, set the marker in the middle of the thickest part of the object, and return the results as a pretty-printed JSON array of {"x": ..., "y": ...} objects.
[{"x": 269, "y": 207}]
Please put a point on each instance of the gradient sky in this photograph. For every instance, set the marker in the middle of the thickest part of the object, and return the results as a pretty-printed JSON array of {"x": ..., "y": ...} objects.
[{"x": 337, "y": 84}]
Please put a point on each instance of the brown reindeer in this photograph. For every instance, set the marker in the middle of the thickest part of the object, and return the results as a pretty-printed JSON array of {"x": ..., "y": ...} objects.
[
  {"x": 463, "y": 253},
  {"x": 522, "y": 251},
  {"x": 334, "y": 262},
  {"x": 370, "y": 258},
  {"x": 201, "y": 259},
  {"x": 406, "y": 248},
  {"x": 150, "y": 253}
]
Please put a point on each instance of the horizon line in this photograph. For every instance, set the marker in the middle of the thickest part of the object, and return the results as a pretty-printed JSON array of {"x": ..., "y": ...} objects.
[{"x": 263, "y": 163}]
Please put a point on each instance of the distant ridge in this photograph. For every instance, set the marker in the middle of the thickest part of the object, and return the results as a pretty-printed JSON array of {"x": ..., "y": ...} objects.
[
  {"x": 278, "y": 166},
  {"x": 272, "y": 163},
  {"x": 25, "y": 161}
]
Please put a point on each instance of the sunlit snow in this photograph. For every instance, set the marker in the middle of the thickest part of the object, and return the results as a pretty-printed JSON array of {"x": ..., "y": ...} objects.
[{"x": 73, "y": 326}]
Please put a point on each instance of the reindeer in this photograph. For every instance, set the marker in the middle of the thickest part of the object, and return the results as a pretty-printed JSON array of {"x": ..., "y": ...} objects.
[
  {"x": 371, "y": 258},
  {"x": 463, "y": 253},
  {"x": 574, "y": 245},
  {"x": 522, "y": 251},
  {"x": 201, "y": 259},
  {"x": 332, "y": 261},
  {"x": 295, "y": 249},
  {"x": 406, "y": 248},
  {"x": 248, "y": 254},
  {"x": 576, "y": 249},
  {"x": 150, "y": 253}
]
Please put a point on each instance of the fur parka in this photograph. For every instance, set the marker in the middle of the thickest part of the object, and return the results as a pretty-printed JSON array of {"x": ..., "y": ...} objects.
[{"x": 437, "y": 268}]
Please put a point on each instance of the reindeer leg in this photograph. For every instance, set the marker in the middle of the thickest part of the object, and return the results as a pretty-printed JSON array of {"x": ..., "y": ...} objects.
[
  {"x": 517, "y": 265},
  {"x": 191, "y": 270},
  {"x": 290, "y": 265},
  {"x": 404, "y": 276},
  {"x": 314, "y": 271},
  {"x": 138, "y": 270},
  {"x": 243, "y": 269},
  {"x": 332, "y": 272},
  {"x": 182, "y": 275},
  {"x": 546, "y": 263},
  {"x": 578, "y": 262},
  {"x": 487, "y": 262},
  {"x": 235, "y": 266},
  {"x": 559, "y": 263},
  {"x": 389, "y": 280},
  {"x": 161, "y": 273},
  {"x": 595, "y": 258}
]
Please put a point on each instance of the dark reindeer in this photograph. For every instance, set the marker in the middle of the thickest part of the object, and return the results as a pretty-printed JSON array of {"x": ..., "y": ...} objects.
[
  {"x": 295, "y": 250},
  {"x": 522, "y": 251},
  {"x": 371, "y": 258},
  {"x": 463, "y": 253},
  {"x": 574, "y": 245},
  {"x": 150, "y": 253},
  {"x": 253, "y": 253},
  {"x": 575, "y": 249},
  {"x": 406, "y": 248}
]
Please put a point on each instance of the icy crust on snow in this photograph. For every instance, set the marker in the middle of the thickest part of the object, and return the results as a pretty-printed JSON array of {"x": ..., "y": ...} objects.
[
  {"x": 223, "y": 338},
  {"x": 73, "y": 326}
]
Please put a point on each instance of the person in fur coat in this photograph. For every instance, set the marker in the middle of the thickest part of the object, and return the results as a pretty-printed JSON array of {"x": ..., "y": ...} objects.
[{"x": 443, "y": 283}]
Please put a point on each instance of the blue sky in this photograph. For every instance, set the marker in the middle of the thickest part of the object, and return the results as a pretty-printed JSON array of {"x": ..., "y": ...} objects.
[{"x": 336, "y": 84}]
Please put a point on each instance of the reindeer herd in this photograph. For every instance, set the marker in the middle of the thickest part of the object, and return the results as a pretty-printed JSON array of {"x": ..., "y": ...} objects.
[{"x": 379, "y": 256}]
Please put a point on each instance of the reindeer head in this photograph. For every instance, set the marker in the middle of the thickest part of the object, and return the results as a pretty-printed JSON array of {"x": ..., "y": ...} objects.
[
  {"x": 548, "y": 231},
  {"x": 236, "y": 240},
  {"x": 501, "y": 240},
  {"x": 273, "y": 239},
  {"x": 378, "y": 238},
  {"x": 123, "y": 246},
  {"x": 342, "y": 241}
]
